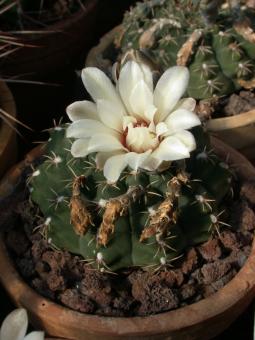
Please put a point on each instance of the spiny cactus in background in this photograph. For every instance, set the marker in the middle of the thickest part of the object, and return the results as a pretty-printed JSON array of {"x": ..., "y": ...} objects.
[
  {"x": 215, "y": 41},
  {"x": 137, "y": 188}
]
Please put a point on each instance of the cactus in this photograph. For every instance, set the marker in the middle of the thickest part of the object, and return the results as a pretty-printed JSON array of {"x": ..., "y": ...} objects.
[
  {"x": 144, "y": 219},
  {"x": 161, "y": 189},
  {"x": 213, "y": 39}
]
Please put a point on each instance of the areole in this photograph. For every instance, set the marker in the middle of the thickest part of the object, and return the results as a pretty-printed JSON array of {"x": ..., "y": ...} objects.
[{"x": 202, "y": 320}]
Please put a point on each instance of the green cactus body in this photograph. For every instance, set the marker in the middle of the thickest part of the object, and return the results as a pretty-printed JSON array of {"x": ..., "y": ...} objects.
[
  {"x": 221, "y": 57},
  {"x": 197, "y": 205}
]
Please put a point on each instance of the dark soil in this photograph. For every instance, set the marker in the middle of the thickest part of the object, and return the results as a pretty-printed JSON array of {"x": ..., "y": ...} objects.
[
  {"x": 239, "y": 103},
  {"x": 233, "y": 105},
  {"x": 67, "y": 279}
]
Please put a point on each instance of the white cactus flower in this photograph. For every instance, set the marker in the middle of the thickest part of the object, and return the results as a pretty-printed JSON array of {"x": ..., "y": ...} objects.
[
  {"x": 133, "y": 124},
  {"x": 14, "y": 327}
]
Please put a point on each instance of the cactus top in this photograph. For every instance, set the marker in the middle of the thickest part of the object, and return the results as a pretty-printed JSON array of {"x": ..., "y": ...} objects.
[
  {"x": 216, "y": 43},
  {"x": 133, "y": 124}
]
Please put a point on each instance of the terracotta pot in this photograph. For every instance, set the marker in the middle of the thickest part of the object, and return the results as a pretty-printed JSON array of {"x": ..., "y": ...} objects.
[
  {"x": 237, "y": 131},
  {"x": 100, "y": 55},
  {"x": 202, "y": 320},
  {"x": 7, "y": 134},
  {"x": 56, "y": 47}
]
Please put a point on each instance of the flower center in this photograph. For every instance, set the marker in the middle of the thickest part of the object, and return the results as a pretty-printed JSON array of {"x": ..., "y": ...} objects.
[{"x": 139, "y": 137}]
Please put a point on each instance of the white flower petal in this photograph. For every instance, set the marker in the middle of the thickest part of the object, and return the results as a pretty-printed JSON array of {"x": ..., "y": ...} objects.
[
  {"x": 114, "y": 167},
  {"x": 151, "y": 164},
  {"x": 170, "y": 88},
  {"x": 99, "y": 86},
  {"x": 85, "y": 128},
  {"x": 80, "y": 148},
  {"x": 127, "y": 120},
  {"x": 171, "y": 149},
  {"x": 81, "y": 110},
  {"x": 147, "y": 76},
  {"x": 109, "y": 114},
  {"x": 14, "y": 326},
  {"x": 141, "y": 100},
  {"x": 35, "y": 336},
  {"x": 150, "y": 112},
  {"x": 150, "y": 118},
  {"x": 186, "y": 103},
  {"x": 152, "y": 127},
  {"x": 182, "y": 119},
  {"x": 140, "y": 139},
  {"x": 136, "y": 160},
  {"x": 130, "y": 75},
  {"x": 186, "y": 138},
  {"x": 104, "y": 143},
  {"x": 115, "y": 72},
  {"x": 161, "y": 128},
  {"x": 101, "y": 157}
]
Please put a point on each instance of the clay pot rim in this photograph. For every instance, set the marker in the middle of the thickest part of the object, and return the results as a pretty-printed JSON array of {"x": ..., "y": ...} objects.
[
  {"x": 182, "y": 318},
  {"x": 240, "y": 120},
  {"x": 105, "y": 41},
  {"x": 67, "y": 21},
  {"x": 7, "y": 104}
]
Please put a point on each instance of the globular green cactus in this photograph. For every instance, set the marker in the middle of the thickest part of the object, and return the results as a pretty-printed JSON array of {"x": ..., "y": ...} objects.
[
  {"x": 145, "y": 219},
  {"x": 214, "y": 39}
]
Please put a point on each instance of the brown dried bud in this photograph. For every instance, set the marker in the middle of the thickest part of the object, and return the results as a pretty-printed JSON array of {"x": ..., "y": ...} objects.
[
  {"x": 114, "y": 209},
  {"x": 80, "y": 216},
  {"x": 165, "y": 215},
  {"x": 160, "y": 220},
  {"x": 186, "y": 50},
  {"x": 247, "y": 84},
  {"x": 205, "y": 108},
  {"x": 244, "y": 29}
]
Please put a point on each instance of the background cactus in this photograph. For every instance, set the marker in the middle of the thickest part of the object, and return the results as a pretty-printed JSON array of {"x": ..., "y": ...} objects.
[
  {"x": 217, "y": 45},
  {"x": 145, "y": 219}
]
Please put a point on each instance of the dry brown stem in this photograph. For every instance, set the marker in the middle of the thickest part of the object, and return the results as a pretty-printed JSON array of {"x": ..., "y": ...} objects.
[
  {"x": 247, "y": 84},
  {"x": 244, "y": 29},
  {"x": 205, "y": 108},
  {"x": 114, "y": 209},
  {"x": 186, "y": 50},
  {"x": 147, "y": 39},
  {"x": 80, "y": 216},
  {"x": 159, "y": 221},
  {"x": 165, "y": 215}
]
